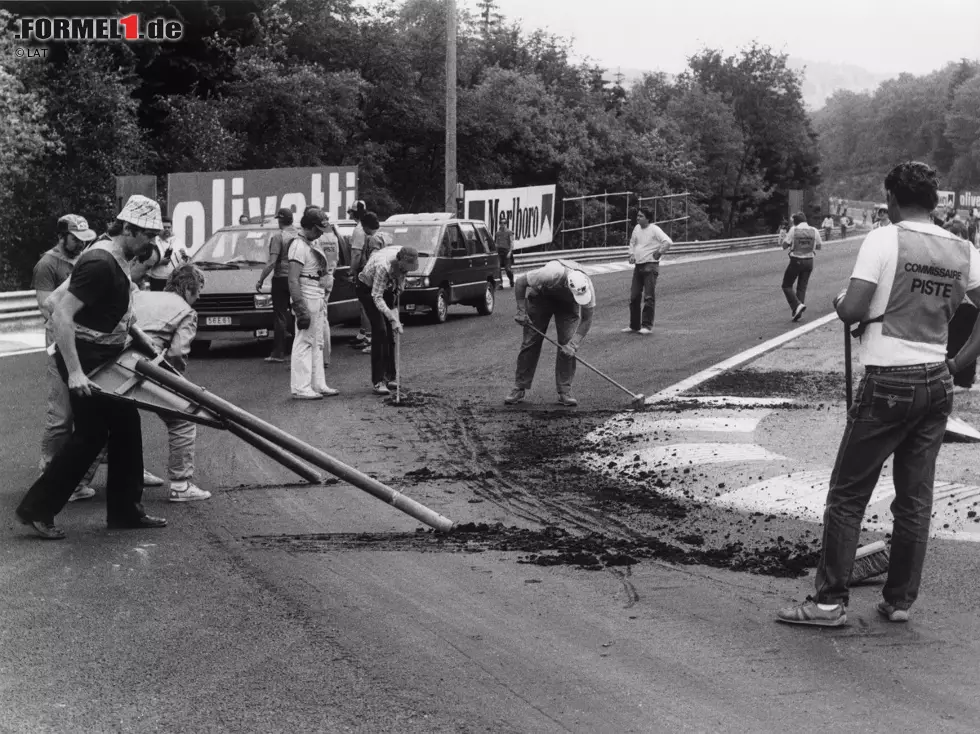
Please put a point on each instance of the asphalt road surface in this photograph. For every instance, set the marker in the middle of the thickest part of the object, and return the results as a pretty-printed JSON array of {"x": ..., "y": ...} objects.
[{"x": 283, "y": 607}]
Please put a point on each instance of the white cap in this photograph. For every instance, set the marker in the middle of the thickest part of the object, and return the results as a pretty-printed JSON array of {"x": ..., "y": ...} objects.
[
  {"x": 580, "y": 286},
  {"x": 143, "y": 212}
]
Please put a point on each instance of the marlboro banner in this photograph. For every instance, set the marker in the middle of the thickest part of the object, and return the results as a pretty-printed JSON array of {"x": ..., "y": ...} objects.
[
  {"x": 529, "y": 211},
  {"x": 202, "y": 203}
]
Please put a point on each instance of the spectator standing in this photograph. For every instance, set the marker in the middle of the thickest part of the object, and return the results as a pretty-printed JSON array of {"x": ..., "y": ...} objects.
[
  {"x": 173, "y": 254},
  {"x": 648, "y": 243},
  {"x": 377, "y": 287},
  {"x": 559, "y": 289},
  {"x": 357, "y": 239},
  {"x": 278, "y": 266},
  {"x": 881, "y": 218},
  {"x": 51, "y": 271},
  {"x": 503, "y": 239},
  {"x": 845, "y": 222},
  {"x": 904, "y": 399},
  {"x": 802, "y": 241},
  {"x": 91, "y": 326},
  {"x": 307, "y": 265},
  {"x": 827, "y": 226}
]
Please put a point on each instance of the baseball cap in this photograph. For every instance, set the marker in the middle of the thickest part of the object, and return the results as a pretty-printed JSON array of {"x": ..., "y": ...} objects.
[
  {"x": 357, "y": 206},
  {"x": 143, "y": 212},
  {"x": 580, "y": 286},
  {"x": 285, "y": 213},
  {"x": 76, "y": 225}
]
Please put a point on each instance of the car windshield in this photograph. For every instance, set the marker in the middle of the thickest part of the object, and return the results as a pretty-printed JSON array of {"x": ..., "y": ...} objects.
[
  {"x": 239, "y": 248},
  {"x": 424, "y": 237}
]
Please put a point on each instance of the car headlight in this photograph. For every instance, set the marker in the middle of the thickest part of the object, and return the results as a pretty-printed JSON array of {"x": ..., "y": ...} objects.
[
  {"x": 417, "y": 282},
  {"x": 263, "y": 300}
]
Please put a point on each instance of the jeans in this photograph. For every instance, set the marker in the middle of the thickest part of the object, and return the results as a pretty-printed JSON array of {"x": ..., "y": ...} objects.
[
  {"x": 382, "y": 336},
  {"x": 507, "y": 264},
  {"x": 306, "y": 367},
  {"x": 280, "y": 315},
  {"x": 960, "y": 328},
  {"x": 181, "y": 436},
  {"x": 97, "y": 420},
  {"x": 900, "y": 412},
  {"x": 540, "y": 309},
  {"x": 643, "y": 290},
  {"x": 798, "y": 271},
  {"x": 57, "y": 422}
]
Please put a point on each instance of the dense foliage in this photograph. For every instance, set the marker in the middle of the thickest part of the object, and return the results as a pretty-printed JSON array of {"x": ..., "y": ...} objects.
[
  {"x": 270, "y": 83},
  {"x": 934, "y": 118}
]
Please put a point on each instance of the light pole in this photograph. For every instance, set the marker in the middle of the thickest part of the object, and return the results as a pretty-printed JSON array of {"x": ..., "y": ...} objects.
[{"x": 450, "y": 189}]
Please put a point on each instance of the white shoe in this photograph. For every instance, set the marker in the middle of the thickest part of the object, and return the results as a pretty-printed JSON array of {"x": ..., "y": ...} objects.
[
  {"x": 629, "y": 329},
  {"x": 151, "y": 480},
  {"x": 307, "y": 396},
  {"x": 187, "y": 492},
  {"x": 329, "y": 392},
  {"x": 82, "y": 492},
  {"x": 646, "y": 331},
  {"x": 381, "y": 389}
]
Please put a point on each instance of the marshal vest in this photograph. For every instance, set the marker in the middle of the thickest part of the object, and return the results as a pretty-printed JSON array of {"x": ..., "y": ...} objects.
[
  {"x": 119, "y": 336},
  {"x": 931, "y": 274},
  {"x": 804, "y": 241}
]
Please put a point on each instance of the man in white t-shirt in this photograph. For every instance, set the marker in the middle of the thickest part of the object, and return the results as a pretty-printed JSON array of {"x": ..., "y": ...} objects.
[
  {"x": 648, "y": 243},
  {"x": 174, "y": 254},
  {"x": 307, "y": 265},
  {"x": 802, "y": 241},
  {"x": 908, "y": 280}
]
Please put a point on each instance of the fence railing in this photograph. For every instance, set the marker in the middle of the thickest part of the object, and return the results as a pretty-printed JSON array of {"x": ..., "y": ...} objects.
[{"x": 18, "y": 309}]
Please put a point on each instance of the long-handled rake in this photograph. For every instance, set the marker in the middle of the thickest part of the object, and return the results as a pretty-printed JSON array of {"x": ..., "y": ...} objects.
[{"x": 639, "y": 400}]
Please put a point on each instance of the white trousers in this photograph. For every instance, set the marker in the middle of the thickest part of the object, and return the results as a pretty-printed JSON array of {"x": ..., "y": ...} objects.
[{"x": 306, "y": 366}]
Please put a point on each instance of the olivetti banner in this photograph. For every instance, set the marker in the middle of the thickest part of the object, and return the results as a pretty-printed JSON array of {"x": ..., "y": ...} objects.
[
  {"x": 529, "y": 211},
  {"x": 202, "y": 203}
]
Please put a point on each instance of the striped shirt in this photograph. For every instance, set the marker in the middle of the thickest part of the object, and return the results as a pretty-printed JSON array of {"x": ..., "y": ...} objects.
[{"x": 380, "y": 275}]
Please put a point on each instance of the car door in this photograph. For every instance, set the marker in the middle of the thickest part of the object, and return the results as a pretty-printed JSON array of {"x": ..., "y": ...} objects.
[
  {"x": 478, "y": 256},
  {"x": 493, "y": 259},
  {"x": 343, "y": 305},
  {"x": 459, "y": 263}
]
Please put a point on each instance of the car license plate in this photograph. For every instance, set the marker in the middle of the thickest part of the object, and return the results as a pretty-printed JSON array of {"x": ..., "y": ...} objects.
[
  {"x": 217, "y": 321},
  {"x": 261, "y": 332}
]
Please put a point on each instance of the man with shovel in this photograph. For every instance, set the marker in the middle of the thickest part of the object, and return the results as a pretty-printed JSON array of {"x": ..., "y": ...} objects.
[{"x": 560, "y": 289}]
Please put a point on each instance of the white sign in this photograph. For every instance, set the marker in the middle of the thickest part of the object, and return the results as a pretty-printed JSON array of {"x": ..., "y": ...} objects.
[{"x": 529, "y": 212}]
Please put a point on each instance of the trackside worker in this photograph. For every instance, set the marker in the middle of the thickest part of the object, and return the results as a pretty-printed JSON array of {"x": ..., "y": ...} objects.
[
  {"x": 307, "y": 265},
  {"x": 559, "y": 289},
  {"x": 503, "y": 240},
  {"x": 801, "y": 241},
  {"x": 278, "y": 265},
  {"x": 908, "y": 280},
  {"x": 91, "y": 326}
]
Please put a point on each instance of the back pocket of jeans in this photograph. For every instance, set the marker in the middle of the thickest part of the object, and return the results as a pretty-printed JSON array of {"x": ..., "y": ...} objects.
[{"x": 891, "y": 403}]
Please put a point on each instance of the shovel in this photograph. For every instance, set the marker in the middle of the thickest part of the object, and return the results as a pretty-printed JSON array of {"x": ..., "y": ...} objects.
[{"x": 639, "y": 400}]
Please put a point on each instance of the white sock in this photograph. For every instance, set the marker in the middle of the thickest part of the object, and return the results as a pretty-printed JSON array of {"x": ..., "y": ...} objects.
[{"x": 827, "y": 607}]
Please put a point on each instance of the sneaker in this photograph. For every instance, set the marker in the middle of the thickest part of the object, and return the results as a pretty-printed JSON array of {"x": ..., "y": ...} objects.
[
  {"x": 392, "y": 384},
  {"x": 798, "y": 312},
  {"x": 567, "y": 400},
  {"x": 270, "y": 358},
  {"x": 366, "y": 350},
  {"x": 42, "y": 528},
  {"x": 646, "y": 331},
  {"x": 893, "y": 613},
  {"x": 809, "y": 613},
  {"x": 187, "y": 492},
  {"x": 82, "y": 492},
  {"x": 151, "y": 480},
  {"x": 307, "y": 396},
  {"x": 962, "y": 389},
  {"x": 516, "y": 396},
  {"x": 329, "y": 392},
  {"x": 381, "y": 389},
  {"x": 628, "y": 330}
]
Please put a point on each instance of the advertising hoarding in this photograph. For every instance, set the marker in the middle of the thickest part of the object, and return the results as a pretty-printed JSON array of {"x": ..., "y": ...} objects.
[
  {"x": 529, "y": 211},
  {"x": 202, "y": 203}
]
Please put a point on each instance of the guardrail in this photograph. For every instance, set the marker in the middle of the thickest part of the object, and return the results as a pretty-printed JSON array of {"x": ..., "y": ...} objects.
[{"x": 18, "y": 309}]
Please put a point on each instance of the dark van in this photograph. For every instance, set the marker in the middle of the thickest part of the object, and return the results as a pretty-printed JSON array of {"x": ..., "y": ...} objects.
[
  {"x": 458, "y": 263},
  {"x": 230, "y": 309}
]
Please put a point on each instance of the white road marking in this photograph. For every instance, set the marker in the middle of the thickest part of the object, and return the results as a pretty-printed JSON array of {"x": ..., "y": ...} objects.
[
  {"x": 681, "y": 455},
  {"x": 710, "y": 421}
]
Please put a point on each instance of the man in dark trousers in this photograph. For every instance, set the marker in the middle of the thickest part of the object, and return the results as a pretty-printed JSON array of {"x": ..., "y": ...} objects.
[
  {"x": 278, "y": 265},
  {"x": 560, "y": 289},
  {"x": 91, "y": 326},
  {"x": 909, "y": 278},
  {"x": 801, "y": 241},
  {"x": 504, "y": 242}
]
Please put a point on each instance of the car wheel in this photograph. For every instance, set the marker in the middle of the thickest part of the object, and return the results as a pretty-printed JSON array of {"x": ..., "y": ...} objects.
[
  {"x": 485, "y": 307},
  {"x": 440, "y": 309},
  {"x": 200, "y": 346}
]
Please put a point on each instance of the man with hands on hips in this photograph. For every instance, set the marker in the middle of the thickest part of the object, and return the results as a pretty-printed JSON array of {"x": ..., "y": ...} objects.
[{"x": 560, "y": 289}]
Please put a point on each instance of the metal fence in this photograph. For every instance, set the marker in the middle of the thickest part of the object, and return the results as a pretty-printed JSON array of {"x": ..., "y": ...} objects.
[{"x": 18, "y": 310}]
